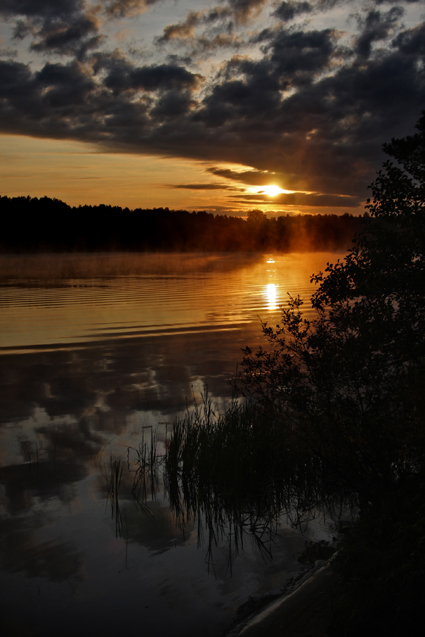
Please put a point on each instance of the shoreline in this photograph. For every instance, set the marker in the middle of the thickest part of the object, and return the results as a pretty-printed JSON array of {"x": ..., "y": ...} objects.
[{"x": 303, "y": 608}]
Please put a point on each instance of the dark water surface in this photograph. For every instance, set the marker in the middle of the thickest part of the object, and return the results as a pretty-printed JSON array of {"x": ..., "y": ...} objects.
[{"x": 96, "y": 352}]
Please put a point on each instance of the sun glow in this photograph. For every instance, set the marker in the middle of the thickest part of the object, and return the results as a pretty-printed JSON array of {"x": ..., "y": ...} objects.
[{"x": 271, "y": 191}]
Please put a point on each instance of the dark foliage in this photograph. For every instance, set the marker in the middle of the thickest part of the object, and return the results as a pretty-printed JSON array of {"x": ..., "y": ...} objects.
[
  {"x": 336, "y": 415},
  {"x": 350, "y": 381},
  {"x": 348, "y": 388}
]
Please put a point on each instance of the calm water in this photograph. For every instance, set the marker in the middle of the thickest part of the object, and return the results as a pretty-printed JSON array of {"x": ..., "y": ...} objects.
[{"x": 95, "y": 351}]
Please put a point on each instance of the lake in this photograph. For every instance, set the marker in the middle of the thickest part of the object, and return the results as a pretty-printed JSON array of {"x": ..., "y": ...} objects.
[{"x": 96, "y": 353}]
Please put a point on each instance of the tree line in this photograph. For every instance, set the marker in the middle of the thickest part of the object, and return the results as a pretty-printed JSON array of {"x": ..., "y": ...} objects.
[{"x": 31, "y": 224}]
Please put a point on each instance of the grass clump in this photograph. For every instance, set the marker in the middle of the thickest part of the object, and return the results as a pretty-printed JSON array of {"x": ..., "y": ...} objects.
[{"x": 237, "y": 472}]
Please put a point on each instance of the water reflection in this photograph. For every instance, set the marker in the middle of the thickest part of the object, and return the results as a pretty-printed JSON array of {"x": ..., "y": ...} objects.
[
  {"x": 271, "y": 294},
  {"x": 41, "y": 311},
  {"x": 88, "y": 365}
]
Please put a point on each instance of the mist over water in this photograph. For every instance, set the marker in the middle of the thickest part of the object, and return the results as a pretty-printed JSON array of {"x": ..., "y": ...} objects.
[
  {"x": 56, "y": 300},
  {"x": 95, "y": 351}
]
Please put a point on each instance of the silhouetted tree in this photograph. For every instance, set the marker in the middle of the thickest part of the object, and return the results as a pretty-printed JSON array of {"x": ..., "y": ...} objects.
[{"x": 347, "y": 388}]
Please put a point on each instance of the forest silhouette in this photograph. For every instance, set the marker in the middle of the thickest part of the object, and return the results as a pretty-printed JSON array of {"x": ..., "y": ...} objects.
[{"x": 31, "y": 224}]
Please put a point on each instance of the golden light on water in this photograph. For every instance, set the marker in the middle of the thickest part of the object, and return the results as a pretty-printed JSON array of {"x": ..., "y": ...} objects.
[{"x": 271, "y": 296}]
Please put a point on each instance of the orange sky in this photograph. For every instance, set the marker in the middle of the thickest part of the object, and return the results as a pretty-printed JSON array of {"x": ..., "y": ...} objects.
[
  {"x": 202, "y": 105},
  {"x": 79, "y": 173}
]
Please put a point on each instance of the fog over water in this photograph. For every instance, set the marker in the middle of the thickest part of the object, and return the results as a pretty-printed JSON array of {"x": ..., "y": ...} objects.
[{"x": 94, "y": 351}]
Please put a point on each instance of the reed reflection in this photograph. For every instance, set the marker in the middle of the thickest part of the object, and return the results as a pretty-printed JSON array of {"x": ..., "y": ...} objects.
[{"x": 235, "y": 476}]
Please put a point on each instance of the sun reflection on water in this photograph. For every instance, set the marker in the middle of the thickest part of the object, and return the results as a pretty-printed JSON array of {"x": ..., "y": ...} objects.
[{"x": 271, "y": 295}]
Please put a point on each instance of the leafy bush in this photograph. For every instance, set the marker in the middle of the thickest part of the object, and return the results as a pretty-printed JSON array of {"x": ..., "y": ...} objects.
[
  {"x": 336, "y": 411},
  {"x": 348, "y": 385}
]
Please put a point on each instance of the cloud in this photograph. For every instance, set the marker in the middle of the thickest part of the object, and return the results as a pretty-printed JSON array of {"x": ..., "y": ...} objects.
[
  {"x": 291, "y": 9},
  {"x": 63, "y": 86},
  {"x": 183, "y": 29},
  {"x": 203, "y": 187},
  {"x": 218, "y": 24},
  {"x": 412, "y": 42},
  {"x": 287, "y": 11},
  {"x": 41, "y": 8},
  {"x": 74, "y": 37},
  {"x": 186, "y": 29},
  {"x": 123, "y": 8},
  {"x": 172, "y": 105},
  {"x": 249, "y": 177},
  {"x": 300, "y": 56},
  {"x": 8, "y": 53},
  {"x": 121, "y": 76},
  {"x": 296, "y": 106},
  {"x": 246, "y": 9},
  {"x": 64, "y": 27},
  {"x": 376, "y": 26},
  {"x": 314, "y": 200}
]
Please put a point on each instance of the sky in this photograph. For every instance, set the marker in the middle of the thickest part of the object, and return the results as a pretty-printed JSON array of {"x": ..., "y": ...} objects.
[{"x": 205, "y": 105}]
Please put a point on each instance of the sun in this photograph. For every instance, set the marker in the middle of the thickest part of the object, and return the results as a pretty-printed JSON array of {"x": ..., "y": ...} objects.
[{"x": 272, "y": 191}]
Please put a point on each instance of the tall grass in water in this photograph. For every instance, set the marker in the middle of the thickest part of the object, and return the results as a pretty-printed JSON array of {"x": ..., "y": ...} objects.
[
  {"x": 137, "y": 477},
  {"x": 113, "y": 478},
  {"x": 146, "y": 477},
  {"x": 239, "y": 474}
]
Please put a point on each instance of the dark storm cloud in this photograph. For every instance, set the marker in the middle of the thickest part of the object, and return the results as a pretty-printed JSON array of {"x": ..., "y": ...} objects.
[
  {"x": 63, "y": 86},
  {"x": 289, "y": 10},
  {"x": 256, "y": 98},
  {"x": 62, "y": 27},
  {"x": 171, "y": 105},
  {"x": 412, "y": 42},
  {"x": 67, "y": 101},
  {"x": 292, "y": 59},
  {"x": 55, "y": 94},
  {"x": 44, "y": 8},
  {"x": 293, "y": 8},
  {"x": 70, "y": 37},
  {"x": 299, "y": 56},
  {"x": 376, "y": 26},
  {"x": 123, "y": 76}
]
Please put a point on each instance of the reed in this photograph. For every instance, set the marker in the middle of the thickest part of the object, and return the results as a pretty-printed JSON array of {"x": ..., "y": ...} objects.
[
  {"x": 113, "y": 483},
  {"x": 237, "y": 473},
  {"x": 146, "y": 477}
]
